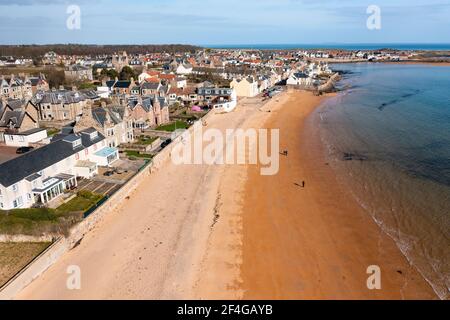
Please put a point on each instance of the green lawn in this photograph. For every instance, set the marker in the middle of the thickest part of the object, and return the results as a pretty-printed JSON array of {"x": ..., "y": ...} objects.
[
  {"x": 52, "y": 131},
  {"x": 136, "y": 154},
  {"x": 35, "y": 221},
  {"x": 173, "y": 126},
  {"x": 81, "y": 203},
  {"x": 145, "y": 140},
  {"x": 15, "y": 256}
]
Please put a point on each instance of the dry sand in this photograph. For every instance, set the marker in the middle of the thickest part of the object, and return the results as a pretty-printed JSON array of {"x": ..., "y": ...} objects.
[{"x": 226, "y": 232}]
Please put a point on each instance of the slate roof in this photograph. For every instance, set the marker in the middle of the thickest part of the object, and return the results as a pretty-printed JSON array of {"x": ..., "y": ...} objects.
[
  {"x": 113, "y": 113},
  {"x": 26, "y": 165},
  {"x": 29, "y": 132},
  {"x": 59, "y": 96},
  {"x": 146, "y": 103},
  {"x": 14, "y": 116},
  {"x": 118, "y": 84},
  {"x": 300, "y": 75},
  {"x": 150, "y": 85}
]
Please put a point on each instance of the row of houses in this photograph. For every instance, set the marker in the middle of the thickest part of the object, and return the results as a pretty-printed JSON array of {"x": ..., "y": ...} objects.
[
  {"x": 115, "y": 121},
  {"x": 44, "y": 174},
  {"x": 21, "y": 87}
]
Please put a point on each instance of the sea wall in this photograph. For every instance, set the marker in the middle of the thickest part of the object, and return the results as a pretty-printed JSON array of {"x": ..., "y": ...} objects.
[
  {"x": 77, "y": 233},
  {"x": 25, "y": 238}
]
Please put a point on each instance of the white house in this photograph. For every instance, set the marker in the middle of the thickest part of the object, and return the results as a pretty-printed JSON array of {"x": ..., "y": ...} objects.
[
  {"x": 246, "y": 87},
  {"x": 299, "y": 79},
  {"x": 184, "y": 69},
  {"x": 106, "y": 156},
  {"x": 103, "y": 92},
  {"x": 24, "y": 139},
  {"x": 42, "y": 175},
  {"x": 220, "y": 99},
  {"x": 181, "y": 82}
]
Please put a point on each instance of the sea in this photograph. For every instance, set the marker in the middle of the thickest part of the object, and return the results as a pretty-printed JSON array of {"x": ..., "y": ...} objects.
[
  {"x": 351, "y": 47},
  {"x": 387, "y": 134}
]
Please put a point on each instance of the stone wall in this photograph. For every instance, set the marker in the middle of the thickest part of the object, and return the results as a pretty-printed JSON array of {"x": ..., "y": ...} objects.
[{"x": 25, "y": 238}]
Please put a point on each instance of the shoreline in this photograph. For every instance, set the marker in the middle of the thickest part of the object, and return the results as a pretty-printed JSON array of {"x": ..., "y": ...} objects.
[
  {"x": 318, "y": 242},
  {"x": 403, "y": 62}
]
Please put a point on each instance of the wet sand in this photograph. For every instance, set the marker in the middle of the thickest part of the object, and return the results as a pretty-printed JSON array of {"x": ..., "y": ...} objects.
[{"x": 314, "y": 242}]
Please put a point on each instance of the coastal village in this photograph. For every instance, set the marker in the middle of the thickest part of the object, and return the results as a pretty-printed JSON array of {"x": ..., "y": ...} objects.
[
  {"x": 74, "y": 129},
  {"x": 100, "y": 125}
]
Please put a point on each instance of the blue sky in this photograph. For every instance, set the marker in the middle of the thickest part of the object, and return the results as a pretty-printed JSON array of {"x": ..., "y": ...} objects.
[{"x": 206, "y": 22}]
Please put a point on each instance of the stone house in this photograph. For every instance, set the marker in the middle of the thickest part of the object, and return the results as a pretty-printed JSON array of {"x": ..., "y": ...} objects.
[
  {"x": 17, "y": 116},
  {"x": 78, "y": 73},
  {"x": 120, "y": 60},
  {"x": 15, "y": 87},
  {"x": 59, "y": 105},
  {"x": 114, "y": 122}
]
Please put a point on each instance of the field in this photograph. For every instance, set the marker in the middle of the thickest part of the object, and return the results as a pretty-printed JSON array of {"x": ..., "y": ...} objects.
[{"x": 15, "y": 256}]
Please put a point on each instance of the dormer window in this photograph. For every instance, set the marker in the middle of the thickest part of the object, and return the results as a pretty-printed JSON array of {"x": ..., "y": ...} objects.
[
  {"x": 74, "y": 140},
  {"x": 94, "y": 135},
  {"x": 76, "y": 143}
]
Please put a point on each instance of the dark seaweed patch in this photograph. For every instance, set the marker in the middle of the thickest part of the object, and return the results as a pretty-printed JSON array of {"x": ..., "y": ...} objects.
[{"x": 397, "y": 100}]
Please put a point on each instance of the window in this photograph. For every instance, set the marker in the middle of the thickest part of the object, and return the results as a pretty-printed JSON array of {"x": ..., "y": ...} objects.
[
  {"x": 18, "y": 202},
  {"x": 15, "y": 187},
  {"x": 29, "y": 196},
  {"x": 1, "y": 205},
  {"x": 21, "y": 138}
]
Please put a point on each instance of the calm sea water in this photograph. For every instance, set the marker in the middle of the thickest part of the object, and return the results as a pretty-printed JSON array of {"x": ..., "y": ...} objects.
[
  {"x": 388, "y": 137},
  {"x": 363, "y": 46}
]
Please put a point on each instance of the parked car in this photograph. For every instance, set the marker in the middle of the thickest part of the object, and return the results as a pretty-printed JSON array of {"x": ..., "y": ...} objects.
[
  {"x": 166, "y": 143},
  {"x": 108, "y": 173},
  {"x": 23, "y": 150}
]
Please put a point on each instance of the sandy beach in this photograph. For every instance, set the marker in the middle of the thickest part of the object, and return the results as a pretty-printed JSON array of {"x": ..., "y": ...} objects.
[
  {"x": 301, "y": 243},
  {"x": 318, "y": 242},
  {"x": 211, "y": 232}
]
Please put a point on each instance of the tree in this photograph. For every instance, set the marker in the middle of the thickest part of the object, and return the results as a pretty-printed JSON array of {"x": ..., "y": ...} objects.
[
  {"x": 87, "y": 85},
  {"x": 55, "y": 78},
  {"x": 111, "y": 73},
  {"x": 127, "y": 73}
]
